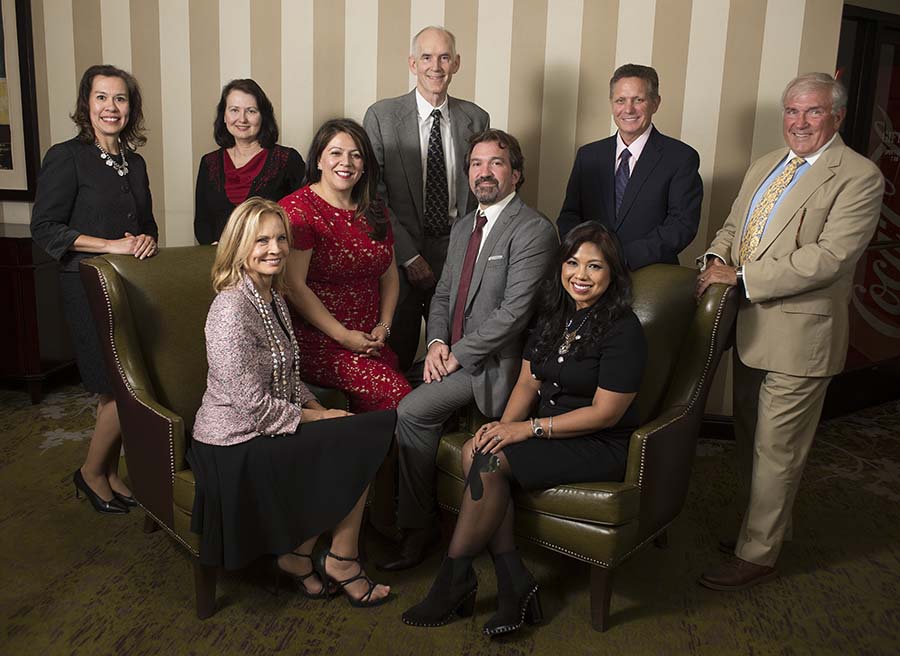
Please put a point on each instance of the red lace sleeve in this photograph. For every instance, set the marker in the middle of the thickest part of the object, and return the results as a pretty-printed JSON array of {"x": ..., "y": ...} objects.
[{"x": 302, "y": 233}]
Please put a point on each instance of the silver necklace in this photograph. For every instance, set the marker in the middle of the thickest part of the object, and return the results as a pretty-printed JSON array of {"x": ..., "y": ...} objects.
[
  {"x": 120, "y": 167},
  {"x": 569, "y": 337}
]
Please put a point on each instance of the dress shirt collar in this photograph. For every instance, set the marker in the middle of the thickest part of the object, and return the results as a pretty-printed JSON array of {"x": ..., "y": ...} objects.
[
  {"x": 635, "y": 148},
  {"x": 491, "y": 212},
  {"x": 811, "y": 159},
  {"x": 424, "y": 108}
]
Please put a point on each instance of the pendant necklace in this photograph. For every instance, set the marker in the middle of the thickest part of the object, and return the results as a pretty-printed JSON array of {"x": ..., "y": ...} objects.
[
  {"x": 569, "y": 336},
  {"x": 120, "y": 167}
]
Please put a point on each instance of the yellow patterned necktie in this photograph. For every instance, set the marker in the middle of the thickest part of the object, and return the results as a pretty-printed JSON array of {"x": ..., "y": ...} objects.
[{"x": 757, "y": 221}]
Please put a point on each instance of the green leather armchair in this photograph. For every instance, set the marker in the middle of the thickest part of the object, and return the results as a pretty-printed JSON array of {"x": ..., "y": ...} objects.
[
  {"x": 152, "y": 315},
  {"x": 603, "y": 523}
]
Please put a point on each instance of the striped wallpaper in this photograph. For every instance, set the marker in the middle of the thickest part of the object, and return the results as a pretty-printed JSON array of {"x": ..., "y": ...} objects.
[{"x": 540, "y": 67}]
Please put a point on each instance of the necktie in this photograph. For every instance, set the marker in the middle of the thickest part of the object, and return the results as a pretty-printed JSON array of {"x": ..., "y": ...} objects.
[
  {"x": 436, "y": 195},
  {"x": 760, "y": 215},
  {"x": 465, "y": 277},
  {"x": 623, "y": 174}
]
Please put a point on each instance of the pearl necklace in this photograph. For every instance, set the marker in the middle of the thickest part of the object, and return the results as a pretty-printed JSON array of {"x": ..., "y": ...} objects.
[
  {"x": 569, "y": 337},
  {"x": 281, "y": 387},
  {"x": 106, "y": 156}
]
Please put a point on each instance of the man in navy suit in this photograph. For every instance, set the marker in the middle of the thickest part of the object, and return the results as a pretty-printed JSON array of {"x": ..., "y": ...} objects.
[{"x": 641, "y": 184}]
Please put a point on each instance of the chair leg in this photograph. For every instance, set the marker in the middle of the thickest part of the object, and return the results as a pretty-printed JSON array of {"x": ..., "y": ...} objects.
[
  {"x": 149, "y": 525},
  {"x": 205, "y": 589},
  {"x": 661, "y": 541},
  {"x": 601, "y": 591}
]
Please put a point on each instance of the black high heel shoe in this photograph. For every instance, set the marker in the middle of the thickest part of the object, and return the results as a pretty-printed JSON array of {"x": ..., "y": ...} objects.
[
  {"x": 366, "y": 600},
  {"x": 517, "y": 596},
  {"x": 125, "y": 500},
  {"x": 300, "y": 579},
  {"x": 111, "y": 507},
  {"x": 453, "y": 591}
]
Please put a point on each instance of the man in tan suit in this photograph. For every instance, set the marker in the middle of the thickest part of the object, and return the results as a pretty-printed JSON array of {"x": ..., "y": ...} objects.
[{"x": 801, "y": 220}]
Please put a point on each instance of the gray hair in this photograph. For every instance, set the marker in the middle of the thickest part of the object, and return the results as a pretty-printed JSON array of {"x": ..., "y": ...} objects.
[
  {"x": 645, "y": 73},
  {"x": 439, "y": 28},
  {"x": 811, "y": 82}
]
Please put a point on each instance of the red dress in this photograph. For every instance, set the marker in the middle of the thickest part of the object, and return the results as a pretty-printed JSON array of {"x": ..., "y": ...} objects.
[{"x": 344, "y": 274}]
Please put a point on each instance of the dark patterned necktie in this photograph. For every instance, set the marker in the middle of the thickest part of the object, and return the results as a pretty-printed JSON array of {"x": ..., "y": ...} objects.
[
  {"x": 623, "y": 174},
  {"x": 465, "y": 277},
  {"x": 437, "y": 198}
]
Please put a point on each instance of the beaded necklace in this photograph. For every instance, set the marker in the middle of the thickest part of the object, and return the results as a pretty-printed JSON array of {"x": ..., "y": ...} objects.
[
  {"x": 281, "y": 383},
  {"x": 108, "y": 157},
  {"x": 569, "y": 336}
]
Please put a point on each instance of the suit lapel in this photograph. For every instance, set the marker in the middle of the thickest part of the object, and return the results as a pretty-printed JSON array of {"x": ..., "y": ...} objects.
[
  {"x": 499, "y": 228},
  {"x": 410, "y": 150},
  {"x": 650, "y": 157},
  {"x": 460, "y": 130}
]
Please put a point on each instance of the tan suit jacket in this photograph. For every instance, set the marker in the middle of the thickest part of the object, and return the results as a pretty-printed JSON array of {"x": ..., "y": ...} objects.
[{"x": 799, "y": 279}]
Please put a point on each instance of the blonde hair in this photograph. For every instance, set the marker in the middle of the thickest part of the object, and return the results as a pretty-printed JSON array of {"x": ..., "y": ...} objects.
[{"x": 238, "y": 238}]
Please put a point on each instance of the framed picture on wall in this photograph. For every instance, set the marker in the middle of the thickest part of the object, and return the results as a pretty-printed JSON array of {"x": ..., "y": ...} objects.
[{"x": 18, "y": 105}]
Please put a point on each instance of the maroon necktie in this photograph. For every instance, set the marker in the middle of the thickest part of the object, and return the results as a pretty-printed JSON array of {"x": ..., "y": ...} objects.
[{"x": 465, "y": 277}]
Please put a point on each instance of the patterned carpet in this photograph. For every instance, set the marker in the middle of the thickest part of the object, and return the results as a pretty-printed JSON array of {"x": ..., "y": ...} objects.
[{"x": 76, "y": 582}]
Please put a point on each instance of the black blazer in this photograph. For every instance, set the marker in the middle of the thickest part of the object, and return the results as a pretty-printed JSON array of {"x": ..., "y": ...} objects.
[
  {"x": 78, "y": 194},
  {"x": 660, "y": 211},
  {"x": 283, "y": 173}
]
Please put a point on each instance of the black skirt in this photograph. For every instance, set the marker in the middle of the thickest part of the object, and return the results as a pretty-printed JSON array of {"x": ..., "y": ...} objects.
[
  {"x": 270, "y": 494},
  {"x": 539, "y": 464},
  {"x": 83, "y": 330}
]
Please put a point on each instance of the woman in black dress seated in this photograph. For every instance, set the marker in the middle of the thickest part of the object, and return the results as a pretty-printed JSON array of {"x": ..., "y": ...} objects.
[
  {"x": 248, "y": 163},
  {"x": 93, "y": 197},
  {"x": 274, "y": 468},
  {"x": 581, "y": 370}
]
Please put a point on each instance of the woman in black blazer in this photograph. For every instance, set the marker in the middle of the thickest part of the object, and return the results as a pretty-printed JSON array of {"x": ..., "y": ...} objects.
[
  {"x": 93, "y": 197},
  {"x": 248, "y": 162}
]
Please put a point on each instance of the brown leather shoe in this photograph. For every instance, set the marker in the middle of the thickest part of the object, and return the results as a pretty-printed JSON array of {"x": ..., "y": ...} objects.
[
  {"x": 415, "y": 545},
  {"x": 736, "y": 574}
]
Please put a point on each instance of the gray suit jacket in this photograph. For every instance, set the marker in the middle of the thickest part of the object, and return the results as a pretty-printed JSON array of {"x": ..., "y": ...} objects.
[
  {"x": 393, "y": 128},
  {"x": 513, "y": 260}
]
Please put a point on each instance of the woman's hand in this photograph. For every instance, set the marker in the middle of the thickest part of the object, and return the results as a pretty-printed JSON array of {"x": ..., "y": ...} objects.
[
  {"x": 363, "y": 343},
  {"x": 380, "y": 333},
  {"x": 493, "y": 436},
  {"x": 312, "y": 414},
  {"x": 144, "y": 246}
]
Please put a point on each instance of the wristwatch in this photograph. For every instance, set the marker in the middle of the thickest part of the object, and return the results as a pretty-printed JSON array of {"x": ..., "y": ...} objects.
[
  {"x": 739, "y": 272},
  {"x": 536, "y": 429}
]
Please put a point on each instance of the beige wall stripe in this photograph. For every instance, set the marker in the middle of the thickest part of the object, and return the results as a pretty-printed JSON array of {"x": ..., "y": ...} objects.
[
  {"x": 265, "y": 50},
  {"x": 115, "y": 21},
  {"x": 361, "y": 68},
  {"x": 461, "y": 18},
  {"x": 40, "y": 75},
  {"x": 234, "y": 40},
  {"x": 328, "y": 60},
  {"x": 819, "y": 41},
  {"x": 702, "y": 95},
  {"x": 62, "y": 83},
  {"x": 780, "y": 54},
  {"x": 634, "y": 44},
  {"x": 492, "y": 68},
  {"x": 86, "y": 34},
  {"x": 393, "y": 48},
  {"x": 204, "y": 65},
  {"x": 297, "y": 42},
  {"x": 145, "y": 42},
  {"x": 670, "y": 52},
  {"x": 559, "y": 109},
  {"x": 598, "y": 52},
  {"x": 175, "y": 81},
  {"x": 421, "y": 14}
]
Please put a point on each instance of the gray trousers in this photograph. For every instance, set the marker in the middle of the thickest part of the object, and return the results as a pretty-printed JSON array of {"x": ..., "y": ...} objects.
[{"x": 420, "y": 423}]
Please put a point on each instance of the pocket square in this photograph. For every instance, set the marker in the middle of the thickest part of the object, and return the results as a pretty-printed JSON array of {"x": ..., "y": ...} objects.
[{"x": 495, "y": 257}]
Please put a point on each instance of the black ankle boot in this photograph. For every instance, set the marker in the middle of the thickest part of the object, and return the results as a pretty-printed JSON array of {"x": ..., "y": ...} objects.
[
  {"x": 517, "y": 596},
  {"x": 453, "y": 590}
]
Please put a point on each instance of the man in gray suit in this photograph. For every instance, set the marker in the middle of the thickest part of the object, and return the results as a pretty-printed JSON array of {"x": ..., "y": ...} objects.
[
  {"x": 420, "y": 142},
  {"x": 496, "y": 258}
]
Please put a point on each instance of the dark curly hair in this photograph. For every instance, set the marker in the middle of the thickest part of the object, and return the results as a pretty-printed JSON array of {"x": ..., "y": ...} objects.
[
  {"x": 268, "y": 126},
  {"x": 365, "y": 191},
  {"x": 132, "y": 134},
  {"x": 556, "y": 306}
]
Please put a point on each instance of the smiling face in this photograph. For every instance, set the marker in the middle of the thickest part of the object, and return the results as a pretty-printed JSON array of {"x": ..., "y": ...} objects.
[
  {"x": 434, "y": 65},
  {"x": 809, "y": 122},
  {"x": 586, "y": 275},
  {"x": 491, "y": 176},
  {"x": 109, "y": 108},
  {"x": 341, "y": 163},
  {"x": 632, "y": 107},
  {"x": 242, "y": 116},
  {"x": 269, "y": 253}
]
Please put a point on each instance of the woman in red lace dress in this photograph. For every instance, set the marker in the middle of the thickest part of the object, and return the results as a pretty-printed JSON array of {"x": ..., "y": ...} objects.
[{"x": 342, "y": 276}]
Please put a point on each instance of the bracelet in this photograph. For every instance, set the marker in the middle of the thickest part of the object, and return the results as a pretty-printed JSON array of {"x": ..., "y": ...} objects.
[
  {"x": 550, "y": 428},
  {"x": 386, "y": 327}
]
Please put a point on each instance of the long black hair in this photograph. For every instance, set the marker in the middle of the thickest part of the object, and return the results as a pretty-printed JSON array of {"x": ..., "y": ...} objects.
[{"x": 556, "y": 306}]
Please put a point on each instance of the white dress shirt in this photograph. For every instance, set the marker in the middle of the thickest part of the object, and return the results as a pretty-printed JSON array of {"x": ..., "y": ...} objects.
[{"x": 635, "y": 148}]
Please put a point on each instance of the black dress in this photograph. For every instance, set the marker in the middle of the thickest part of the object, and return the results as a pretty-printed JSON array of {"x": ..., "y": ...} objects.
[
  {"x": 78, "y": 194},
  {"x": 569, "y": 382},
  {"x": 283, "y": 173}
]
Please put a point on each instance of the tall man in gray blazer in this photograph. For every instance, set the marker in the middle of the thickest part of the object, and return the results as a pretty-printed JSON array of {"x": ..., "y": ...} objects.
[
  {"x": 496, "y": 258},
  {"x": 420, "y": 140}
]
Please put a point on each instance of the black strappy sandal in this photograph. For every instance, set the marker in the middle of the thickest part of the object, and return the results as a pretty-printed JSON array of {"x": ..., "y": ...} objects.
[
  {"x": 366, "y": 600},
  {"x": 300, "y": 579}
]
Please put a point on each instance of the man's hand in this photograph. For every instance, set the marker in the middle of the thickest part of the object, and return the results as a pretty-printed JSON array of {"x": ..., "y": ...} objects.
[
  {"x": 716, "y": 272},
  {"x": 439, "y": 362},
  {"x": 419, "y": 273}
]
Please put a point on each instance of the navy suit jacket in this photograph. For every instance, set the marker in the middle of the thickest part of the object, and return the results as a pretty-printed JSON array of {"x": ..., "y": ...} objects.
[{"x": 660, "y": 210}]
